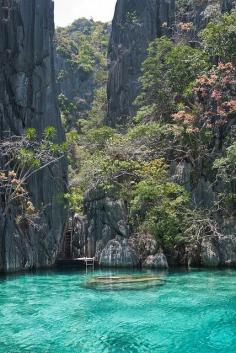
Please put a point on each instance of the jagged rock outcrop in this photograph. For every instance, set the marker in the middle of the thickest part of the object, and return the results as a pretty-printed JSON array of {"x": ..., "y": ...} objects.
[
  {"x": 135, "y": 24},
  {"x": 118, "y": 253},
  {"x": 219, "y": 251},
  {"x": 156, "y": 261},
  {"x": 28, "y": 99},
  {"x": 209, "y": 253},
  {"x": 106, "y": 219},
  {"x": 76, "y": 85},
  {"x": 199, "y": 13},
  {"x": 136, "y": 251}
]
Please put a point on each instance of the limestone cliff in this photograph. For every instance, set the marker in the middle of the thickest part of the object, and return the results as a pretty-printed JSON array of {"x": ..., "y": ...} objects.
[
  {"x": 28, "y": 99},
  {"x": 135, "y": 24},
  {"x": 81, "y": 67}
]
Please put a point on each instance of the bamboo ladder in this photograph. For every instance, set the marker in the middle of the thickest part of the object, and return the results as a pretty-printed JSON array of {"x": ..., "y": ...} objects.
[{"x": 89, "y": 262}]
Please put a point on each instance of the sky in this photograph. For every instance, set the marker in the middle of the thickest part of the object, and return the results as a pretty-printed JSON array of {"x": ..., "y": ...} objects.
[{"x": 66, "y": 11}]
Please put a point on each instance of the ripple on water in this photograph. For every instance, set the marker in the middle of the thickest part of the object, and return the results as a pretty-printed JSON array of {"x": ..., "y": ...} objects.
[
  {"x": 192, "y": 312},
  {"x": 222, "y": 337}
]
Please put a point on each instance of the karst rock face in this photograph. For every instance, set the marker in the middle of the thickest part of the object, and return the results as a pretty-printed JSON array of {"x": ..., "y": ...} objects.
[
  {"x": 77, "y": 84},
  {"x": 28, "y": 99},
  {"x": 135, "y": 24}
]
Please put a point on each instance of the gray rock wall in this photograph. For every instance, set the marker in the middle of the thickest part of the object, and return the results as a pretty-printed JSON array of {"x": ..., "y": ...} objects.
[
  {"x": 75, "y": 84},
  {"x": 106, "y": 219},
  {"x": 220, "y": 251},
  {"x": 135, "y": 24},
  {"x": 28, "y": 99}
]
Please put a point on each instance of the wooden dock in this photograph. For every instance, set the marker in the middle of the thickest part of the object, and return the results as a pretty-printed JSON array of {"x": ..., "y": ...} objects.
[{"x": 81, "y": 262}]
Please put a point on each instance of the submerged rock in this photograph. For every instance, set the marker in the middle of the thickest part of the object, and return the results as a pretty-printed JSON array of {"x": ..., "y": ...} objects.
[
  {"x": 125, "y": 282},
  {"x": 118, "y": 254},
  {"x": 122, "y": 279}
]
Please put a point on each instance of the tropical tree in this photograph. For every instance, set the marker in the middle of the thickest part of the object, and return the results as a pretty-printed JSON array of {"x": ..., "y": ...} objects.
[
  {"x": 21, "y": 158},
  {"x": 219, "y": 38},
  {"x": 168, "y": 74}
]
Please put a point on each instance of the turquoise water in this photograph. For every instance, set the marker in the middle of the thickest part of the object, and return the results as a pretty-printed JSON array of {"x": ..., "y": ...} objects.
[{"x": 191, "y": 312}]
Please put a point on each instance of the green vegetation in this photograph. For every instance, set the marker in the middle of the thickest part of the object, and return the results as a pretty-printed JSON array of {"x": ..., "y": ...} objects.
[
  {"x": 84, "y": 44},
  {"x": 219, "y": 38},
  {"x": 82, "y": 52},
  {"x": 185, "y": 106},
  {"x": 24, "y": 157},
  {"x": 97, "y": 112},
  {"x": 168, "y": 75},
  {"x": 227, "y": 163}
]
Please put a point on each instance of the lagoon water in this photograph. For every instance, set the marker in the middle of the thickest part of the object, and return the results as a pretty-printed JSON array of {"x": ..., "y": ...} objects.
[{"x": 56, "y": 312}]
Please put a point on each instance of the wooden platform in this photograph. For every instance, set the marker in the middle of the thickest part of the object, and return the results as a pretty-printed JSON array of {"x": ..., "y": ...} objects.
[{"x": 82, "y": 262}]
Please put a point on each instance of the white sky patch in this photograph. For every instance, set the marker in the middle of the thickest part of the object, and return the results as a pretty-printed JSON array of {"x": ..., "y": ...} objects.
[{"x": 66, "y": 11}]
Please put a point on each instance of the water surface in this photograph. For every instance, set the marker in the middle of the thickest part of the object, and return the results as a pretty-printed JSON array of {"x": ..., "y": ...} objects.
[{"x": 191, "y": 312}]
